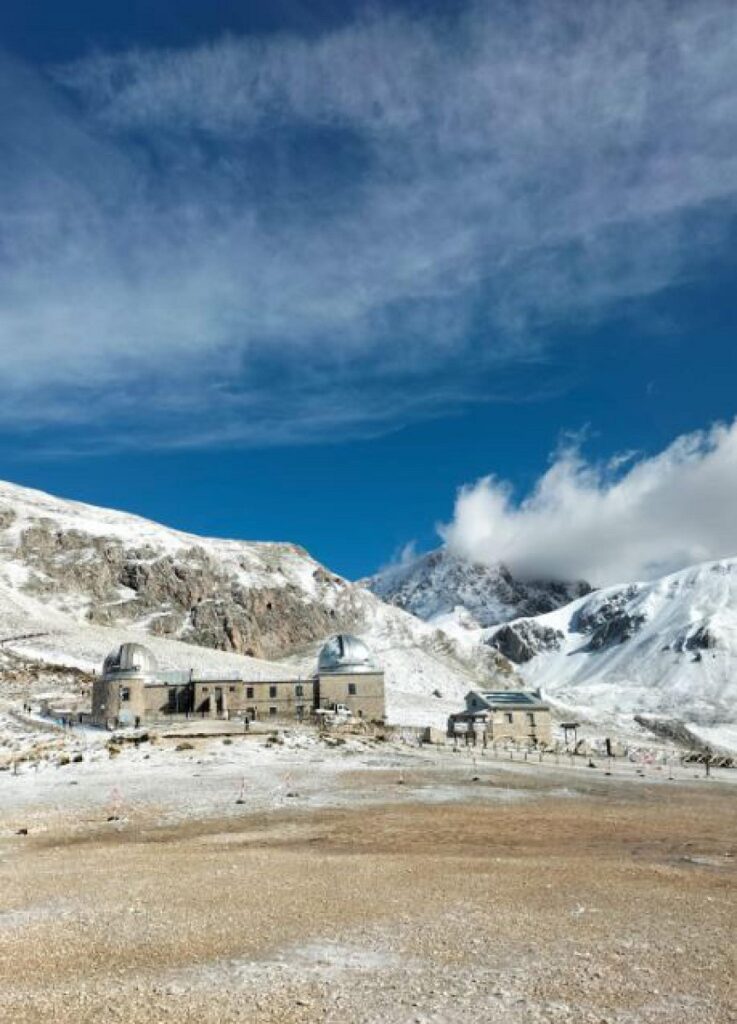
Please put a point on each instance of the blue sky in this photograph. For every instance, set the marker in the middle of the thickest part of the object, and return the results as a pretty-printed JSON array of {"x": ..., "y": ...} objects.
[{"x": 304, "y": 270}]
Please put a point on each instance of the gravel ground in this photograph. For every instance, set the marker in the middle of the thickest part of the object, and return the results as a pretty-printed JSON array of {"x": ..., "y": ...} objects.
[{"x": 521, "y": 896}]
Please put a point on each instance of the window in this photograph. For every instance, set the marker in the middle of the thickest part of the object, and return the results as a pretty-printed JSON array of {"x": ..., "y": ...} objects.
[
  {"x": 125, "y": 693},
  {"x": 272, "y": 712},
  {"x": 298, "y": 690},
  {"x": 249, "y": 691},
  {"x": 352, "y": 689},
  {"x": 531, "y": 717},
  {"x": 272, "y": 691},
  {"x": 509, "y": 716},
  {"x": 300, "y": 710},
  {"x": 232, "y": 689},
  {"x": 205, "y": 689}
]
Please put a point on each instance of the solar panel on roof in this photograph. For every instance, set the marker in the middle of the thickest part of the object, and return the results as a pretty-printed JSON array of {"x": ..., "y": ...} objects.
[{"x": 508, "y": 697}]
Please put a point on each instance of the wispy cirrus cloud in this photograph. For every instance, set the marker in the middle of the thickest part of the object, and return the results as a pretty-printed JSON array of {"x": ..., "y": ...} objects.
[{"x": 271, "y": 238}]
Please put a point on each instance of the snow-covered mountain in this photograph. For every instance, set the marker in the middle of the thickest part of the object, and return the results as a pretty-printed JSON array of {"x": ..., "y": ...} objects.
[
  {"x": 442, "y": 588},
  {"x": 666, "y": 648},
  {"x": 76, "y": 580}
]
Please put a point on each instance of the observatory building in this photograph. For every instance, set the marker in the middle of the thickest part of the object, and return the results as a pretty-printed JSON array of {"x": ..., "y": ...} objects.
[
  {"x": 128, "y": 689},
  {"x": 347, "y": 674},
  {"x": 132, "y": 690}
]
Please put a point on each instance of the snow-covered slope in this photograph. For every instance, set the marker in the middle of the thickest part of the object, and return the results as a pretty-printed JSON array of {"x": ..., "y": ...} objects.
[
  {"x": 442, "y": 588},
  {"x": 76, "y": 580},
  {"x": 666, "y": 648}
]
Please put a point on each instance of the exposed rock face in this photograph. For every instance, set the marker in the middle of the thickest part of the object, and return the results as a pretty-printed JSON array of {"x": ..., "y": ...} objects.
[
  {"x": 609, "y": 622},
  {"x": 521, "y": 641},
  {"x": 189, "y": 594},
  {"x": 440, "y": 583},
  {"x": 703, "y": 639},
  {"x": 674, "y": 730},
  {"x": 263, "y": 623},
  {"x": 622, "y": 626},
  {"x": 7, "y": 516}
]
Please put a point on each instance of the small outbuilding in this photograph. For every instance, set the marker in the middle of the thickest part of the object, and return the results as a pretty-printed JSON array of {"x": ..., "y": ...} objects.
[{"x": 493, "y": 715}]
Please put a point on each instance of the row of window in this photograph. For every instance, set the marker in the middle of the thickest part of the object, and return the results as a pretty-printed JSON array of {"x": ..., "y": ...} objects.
[
  {"x": 273, "y": 690},
  {"x": 509, "y": 716},
  {"x": 298, "y": 690}
]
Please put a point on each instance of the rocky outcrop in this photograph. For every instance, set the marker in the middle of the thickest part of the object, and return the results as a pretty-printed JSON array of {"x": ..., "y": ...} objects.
[
  {"x": 440, "y": 583},
  {"x": 673, "y": 730},
  {"x": 608, "y": 622},
  {"x": 7, "y": 517},
  {"x": 189, "y": 594},
  {"x": 620, "y": 627},
  {"x": 263, "y": 623},
  {"x": 702, "y": 639},
  {"x": 521, "y": 641}
]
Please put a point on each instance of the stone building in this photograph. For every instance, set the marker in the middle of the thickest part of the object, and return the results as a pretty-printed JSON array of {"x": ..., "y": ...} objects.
[
  {"x": 128, "y": 688},
  {"x": 492, "y": 716},
  {"x": 133, "y": 690},
  {"x": 254, "y": 699},
  {"x": 347, "y": 674}
]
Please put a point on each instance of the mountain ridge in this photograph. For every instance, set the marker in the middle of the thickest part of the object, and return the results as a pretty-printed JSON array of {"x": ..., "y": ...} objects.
[{"x": 435, "y": 585}]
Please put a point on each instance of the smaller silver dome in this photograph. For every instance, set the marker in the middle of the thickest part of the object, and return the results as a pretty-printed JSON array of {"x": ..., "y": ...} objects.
[
  {"x": 345, "y": 653},
  {"x": 130, "y": 660}
]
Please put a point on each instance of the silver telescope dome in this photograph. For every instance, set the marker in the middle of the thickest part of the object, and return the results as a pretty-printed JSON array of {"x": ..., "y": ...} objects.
[
  {"x": 345, "y": 653},
  {"x": 130, "y": 660}
]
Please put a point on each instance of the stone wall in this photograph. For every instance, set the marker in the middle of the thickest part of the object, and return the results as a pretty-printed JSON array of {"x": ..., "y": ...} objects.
[
  {"x": 530, "y": 726},
  {"x": 257, "y": 700},
  {"x": 525, "y": 726},
  {"x": 361, "y": 692}
]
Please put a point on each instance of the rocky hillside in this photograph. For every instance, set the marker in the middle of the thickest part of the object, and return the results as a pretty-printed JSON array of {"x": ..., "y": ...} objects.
[
  {"x": 108, "y": 568},
  {"x": 439, "y": 587},
  {"x": 75, "y": 579},
  {"x": 667, "y": 648}
]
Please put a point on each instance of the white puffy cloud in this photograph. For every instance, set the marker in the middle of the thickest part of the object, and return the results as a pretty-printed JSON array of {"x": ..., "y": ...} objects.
[
  {"x": 633, "y": 518},
  {"x": 278, "y": 237}
]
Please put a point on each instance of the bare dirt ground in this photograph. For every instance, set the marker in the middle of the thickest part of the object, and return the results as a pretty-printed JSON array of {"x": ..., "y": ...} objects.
[{"x": 567, "y": 901}]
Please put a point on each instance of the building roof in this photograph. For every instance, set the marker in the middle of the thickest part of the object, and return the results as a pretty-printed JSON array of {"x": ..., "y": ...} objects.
[
  {"x": 494, "y": 699},
  {"x": 509, "y": 697}
]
